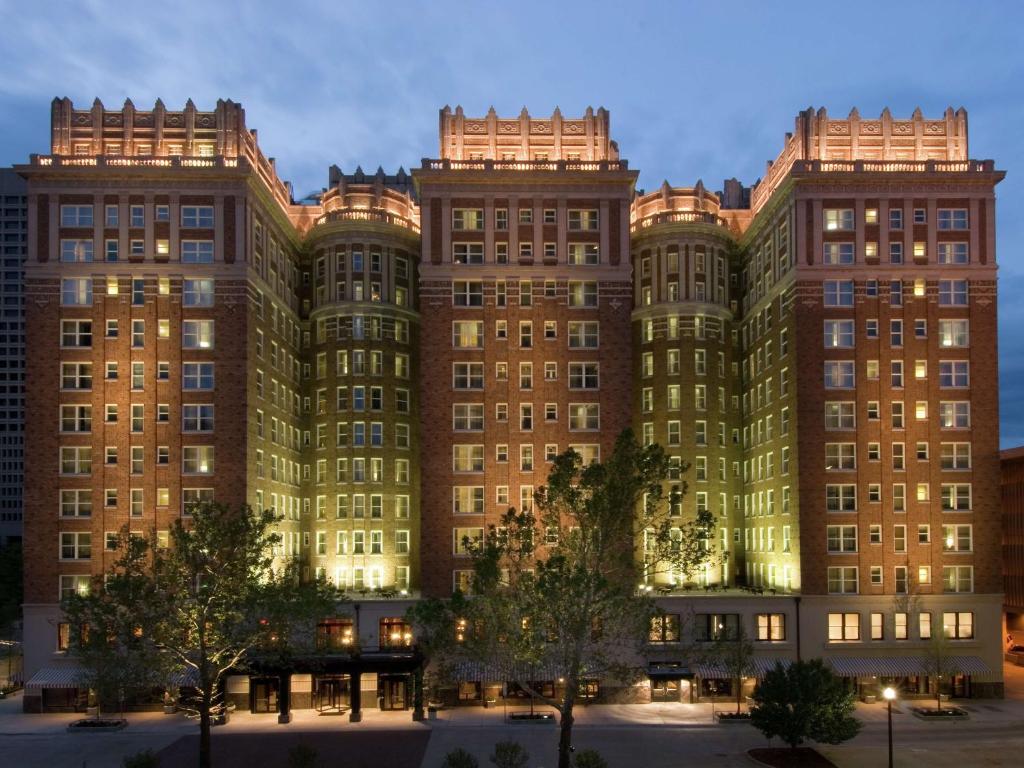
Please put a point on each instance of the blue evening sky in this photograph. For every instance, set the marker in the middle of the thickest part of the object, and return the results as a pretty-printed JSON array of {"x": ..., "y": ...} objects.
[{"x": 696, "y": 90}]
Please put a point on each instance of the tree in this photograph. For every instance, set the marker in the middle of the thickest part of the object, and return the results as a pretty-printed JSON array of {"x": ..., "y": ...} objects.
[
  {"x": 568, "y": 607},
  {"x": 118, "y": 658},
  {"x": 938, "y": 662},
  {"x": 804, "y": 701},
  {"x": 510, "y": 754},
  {"x": 437, "y": 626},
  {"x": 734, "y": 655},
  {"x": 214, "y": 597},
  {"x": 460, "y": 758}
]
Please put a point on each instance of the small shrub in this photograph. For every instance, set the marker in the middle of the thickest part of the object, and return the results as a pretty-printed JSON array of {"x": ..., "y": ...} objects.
[
  {"x": 145, "y": 759},
  {"x": 302, "y": 756},
  {"x": 510, "y": 754},
  {"x": 460, "y": 758},
  {"x": 589, "y": 758}
]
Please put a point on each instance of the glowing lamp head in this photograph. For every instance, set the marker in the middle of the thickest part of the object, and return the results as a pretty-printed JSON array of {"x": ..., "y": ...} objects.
[{"x": 889, "y": 693}]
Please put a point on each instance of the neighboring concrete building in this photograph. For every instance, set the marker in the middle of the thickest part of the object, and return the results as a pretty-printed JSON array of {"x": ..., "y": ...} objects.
[
  {"x": 13, "y": 238},
  {"x": 396, "y": 361}
]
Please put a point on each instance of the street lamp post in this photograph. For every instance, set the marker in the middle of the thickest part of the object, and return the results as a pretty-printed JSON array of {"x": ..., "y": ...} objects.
[{"x": 889, "y": 693}]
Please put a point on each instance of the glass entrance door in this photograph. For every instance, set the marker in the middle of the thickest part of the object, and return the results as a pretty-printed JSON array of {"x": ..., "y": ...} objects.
[
  {"x": 332, "y": 693},
  {"x": 393, "y": 691},
  {"x": 263, "y": 695},
  {"x": 665, "y": 690}
]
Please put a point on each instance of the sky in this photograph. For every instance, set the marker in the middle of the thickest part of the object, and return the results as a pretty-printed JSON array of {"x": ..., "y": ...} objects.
[{"x": 695, "y": 90}]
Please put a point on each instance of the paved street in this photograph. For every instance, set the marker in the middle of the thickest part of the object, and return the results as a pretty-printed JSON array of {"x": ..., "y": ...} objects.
[{"x": 653, "y": 736}]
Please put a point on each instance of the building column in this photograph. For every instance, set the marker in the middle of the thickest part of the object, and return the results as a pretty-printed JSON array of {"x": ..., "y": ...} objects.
[
  {"x": 284, "y": 698},
  {"x": 355, "y": 714}
]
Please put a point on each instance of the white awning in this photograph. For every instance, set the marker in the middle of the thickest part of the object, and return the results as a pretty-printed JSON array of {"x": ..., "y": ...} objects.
[{"x": 55, "y": 677}]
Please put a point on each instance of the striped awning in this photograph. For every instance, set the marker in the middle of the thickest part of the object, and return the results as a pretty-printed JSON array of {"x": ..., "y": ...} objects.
[
  {"x": 184, "y": 678},
  {"x": 902, "y": 666},
  {"x": 465, "y": 671},
  {"x": 760, "y": 666},
  {"x": 55, "y": 677}
]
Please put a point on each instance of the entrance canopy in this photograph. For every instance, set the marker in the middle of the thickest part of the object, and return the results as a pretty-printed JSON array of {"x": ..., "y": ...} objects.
[
  {"x": 759, "y": 666},
  {"x": 56, "y": 677}
]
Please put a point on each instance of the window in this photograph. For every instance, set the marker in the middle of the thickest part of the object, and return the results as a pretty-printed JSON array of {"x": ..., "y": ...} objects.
[
  {"x": 953, "y": 333},
  {"x": 197, "y": 459},
  {"x": 838, "y": 293},
  {"x": 197, "y": 216},
  {"x": 584, "y": 375},
  {"x": 468, "y": 293},
  {"x": 839, "y": 415},
  {"x": 953, "y": 253},
  {"x": 771, "y": 626},
  {"x": 838, "y": 253},
  {"x": 838, "y": 334},
  {"x": 842, "y": 580},
  {"x": 468, "y": 334},
  {"x": 584, "y": 254},
  {"x": 840, "y": 456},
  {"x": 197, "y": 376},
  {"x": 956, "y": 455},
  {"x": 467, "y": 500},
  {"x": 838, "y": 219},
  {"x": 197, "y": 251},
  {"x": 955, "y": 415},
  {"x": 664, "y": 628},
  {"x": 952, "y": 293},
  {"x": 841, "y": 538},
  {"x": 843, "y": 627},
  {"x": 197, "y": 292},
  {"x": 958, "y": 625},
  {"x": 716, "y": 626},
  {"x": 467, "y": 416},
  {"x": 197, "y": 418},
  {"x": 954, "y": 374},
  {"x": 957, "y": 538},
  {"x": 841, "y": 498},
  {"x": 958, "y": 578},
  {"x": 839, "y": 374},
  {"x": 467, "y": 458},
  {"x": 465, "y": 540},
  {"x": 197, "y": 334},
  {"x": 952, "y": 218},
  {"x": 468, "y": 375},
  {"x": 76, "y": 292},
  {"x": 467, "y": 219},
  {"x": 468, "y": 253},
  {"x": 582, "y": 294},
  {"x": 76, "y": 503},
  {"x": 76, "y": 216},
  {"x": 584, "y": 416},
  {"x": 583, "y": 220},
  {"x": 75, "y": 546}
]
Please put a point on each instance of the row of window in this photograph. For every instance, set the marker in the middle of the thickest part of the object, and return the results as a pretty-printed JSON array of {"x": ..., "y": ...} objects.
[
  {"x": 842, "y": 497},
  {"x": 469, "y": 334},
  {"x": 358, "y": 543},
  {"x": 79, "y": 291},
  {"x": 846, "y": 627},
  {"x": 470, "y": 293},
  {"x": 842, "y": 539},
  {"x": 843, "y": 456},
  {"x": 839, "y": 334},
  {"x": 357, "y": 470},
  {"x": 953, "y": 414},
  {"x": 840, "y": 293},
  {"x": 472, "y": 219},
  {"x": 471, "y": 375},
  {"x": 953, "y": 374},
  {"x": 579, "y": 254},
  {"x": 77, "y": 503},
  {"x": 355, "y": 256},
  {"x": 82, "y": 250},
  {"x": 843, "y": 219},
  {"x": 191, "y": 216},
  {"x": 845, "y": 580}
]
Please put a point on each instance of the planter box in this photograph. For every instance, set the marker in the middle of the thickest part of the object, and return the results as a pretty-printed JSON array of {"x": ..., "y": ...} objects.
[
  {"x": 526, "y": 717},
  {"x": 730, "y": 718},
  {"x": 92, "y": 725},
  {"x": 869, "y": 698},
  {"x": 947, "y": 715}
]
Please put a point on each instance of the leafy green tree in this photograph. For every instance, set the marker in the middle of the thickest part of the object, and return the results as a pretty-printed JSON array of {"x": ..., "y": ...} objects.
[
  {"x": 215, "y": 597},
  {"x": 938, "y": 662},
  {"x": 804, "y": 701},
  {"x": 460, "y": 758},
  {"x": 118, "y": 658},
  {"x": 437, "y": 627},
  {"x": 510, "y": 754},
  {"x": 734, "y": 655},
  {"x": 554, "y": 590}
]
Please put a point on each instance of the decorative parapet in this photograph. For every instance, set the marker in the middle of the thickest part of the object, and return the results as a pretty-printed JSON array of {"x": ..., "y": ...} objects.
[
  {"x": 525, "y": 137},
  {"x": 818, "y": 138}
]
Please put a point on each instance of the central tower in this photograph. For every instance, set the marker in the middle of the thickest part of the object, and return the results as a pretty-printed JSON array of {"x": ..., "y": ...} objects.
[{"x": 526, "y": 297}]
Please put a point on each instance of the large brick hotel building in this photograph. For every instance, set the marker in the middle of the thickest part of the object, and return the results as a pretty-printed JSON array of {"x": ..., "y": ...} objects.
[{"x": 391, "y": 364}]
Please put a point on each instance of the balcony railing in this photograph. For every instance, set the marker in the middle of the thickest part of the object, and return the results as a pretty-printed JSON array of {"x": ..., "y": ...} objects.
[
  {"x": 525, "y": 165},
  {"x": 677, "y": 217},
  {"x": 369, "y": 214}
]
